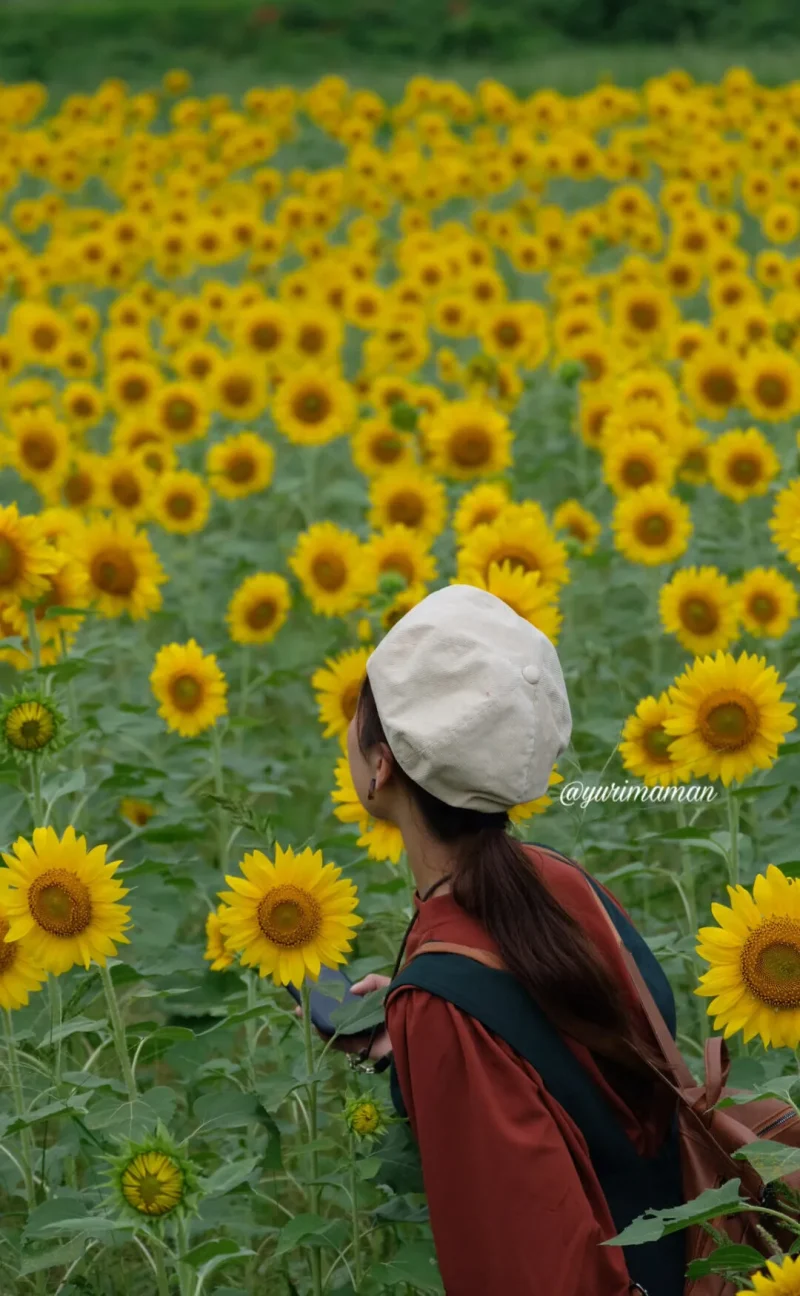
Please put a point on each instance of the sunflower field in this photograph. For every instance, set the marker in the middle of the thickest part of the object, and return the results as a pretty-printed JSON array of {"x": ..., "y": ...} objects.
[{"x": 271, "y": 370}]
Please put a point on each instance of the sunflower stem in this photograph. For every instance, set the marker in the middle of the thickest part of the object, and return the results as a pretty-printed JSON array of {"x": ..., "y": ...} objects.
[
  {"x": 26, "y": 1138},
  {"x": 690, "y": 899},
  {"x": 56, "y": 1014},
  {"x": 33, "y": 638},
  {"x": 161, "y": 1271},
  {"x": 733, "y": 829},
  {"x": 36, "y": 793},
  {"x": 118, "y": 1031},
  {"x": 354, "y": 1214},
  {"x": 316, "y": 1259},
  {"x": 219, "y": 790},
  {"x": 182, "y": 1246},
  {"x": 250, "y": 1029}
]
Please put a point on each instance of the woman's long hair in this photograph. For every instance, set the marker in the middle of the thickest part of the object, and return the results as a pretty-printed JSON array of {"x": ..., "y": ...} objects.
[{"x": 541, "y": 944}]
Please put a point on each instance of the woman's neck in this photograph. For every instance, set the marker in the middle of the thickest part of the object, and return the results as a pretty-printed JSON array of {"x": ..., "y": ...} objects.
[{"x": 428, "y": 859}]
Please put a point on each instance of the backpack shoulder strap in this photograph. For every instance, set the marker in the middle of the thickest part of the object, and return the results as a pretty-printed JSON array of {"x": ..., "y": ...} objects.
[{"x": 497, "y": 1000}]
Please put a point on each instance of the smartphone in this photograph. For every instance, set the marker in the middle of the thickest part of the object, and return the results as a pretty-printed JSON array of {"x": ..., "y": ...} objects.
[{"x": 324, "y": 1005}]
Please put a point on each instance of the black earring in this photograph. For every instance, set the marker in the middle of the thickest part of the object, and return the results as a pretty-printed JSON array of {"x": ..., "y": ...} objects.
[{"x": 371, "y": 792}]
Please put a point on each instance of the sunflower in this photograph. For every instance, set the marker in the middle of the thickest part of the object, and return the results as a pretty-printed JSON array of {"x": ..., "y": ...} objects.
[
  {"x": 240, "y": 465},
  {"x": 382, "y": 840},
  {"x": 753, "y": 979},
  {"x": 64, "y": 901},
  {"x": 83, "y": 483},
  {"x": 467, "y": 439},
  {"x": 480, "y": 505},
  {"x": 520, "y": 537},
  {"x": 524, "y": 591},
  {"x": 399, "y": 549},
  {"x": 122, "y": 569},
  {"x": 197, "y": 362},
  {"x": 67, "y": 588},
  {"x": 645, "y": 748},
  {"x": 180, "y": 502},
  {"x": 290, "y": 916},
  {"x": 579, "y": 523},
  {"x": 40, "y": 449},
  {"x": 767, "y": 602},
  {"x": 771, "y": 385},
  {"x": 131, "y": 385},
  {"x": 83, "y": 404},
  {"x": 20, "y": 975},
  {"x": 742, "y": 464},
  {"x": 136, "y": 812},
  {"x": 651, "y": 526},
  {"x": 699, "y": 607},
  {"x": 189, "y": 687},
  {"x": 153, "y": 1179},
  {"x": 314, "y": 406},
  {"x": 30, "y": 724},
  {"x": 217, "y": 952},
  {"x": 259, "y": 608},
  {"x": 239, "y": 388},
  {"x": 783, "y": 1279},
  {"x": 180, "y": 411},
  {"x": 127, "y": 485},
  {"x": 413, "y": 498},
  {"x": 337, "y": 685},
  {"x": 691, "y": 451},
  {"x": 26, "y": 558},
  {"x": 264, "y": 329},
  {"x": 642, "y": 312},
  {"x": 365, "y": 1118},
  {"x": 712, "y": 381},
  {"x": 316, "y": 334},
  {"x": 637, "y": 459},
  {"x": 727, "y": 717},
  {"x": 377, "y": 445},
  {"x": 785, "y": 521}
]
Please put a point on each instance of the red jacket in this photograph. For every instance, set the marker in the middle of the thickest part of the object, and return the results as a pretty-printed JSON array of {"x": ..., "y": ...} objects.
[{"x": 515, "y": 1206}]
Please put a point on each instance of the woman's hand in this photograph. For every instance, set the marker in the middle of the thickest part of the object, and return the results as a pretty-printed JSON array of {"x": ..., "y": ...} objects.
[{"x": 355, "y": 1043}]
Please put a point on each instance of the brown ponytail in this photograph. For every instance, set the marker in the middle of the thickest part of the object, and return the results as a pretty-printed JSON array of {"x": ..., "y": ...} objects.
[{"x": 542, "y": 945}]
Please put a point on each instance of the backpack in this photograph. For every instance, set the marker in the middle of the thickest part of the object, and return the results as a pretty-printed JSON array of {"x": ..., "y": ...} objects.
[{"x": 697, "y": 1151}]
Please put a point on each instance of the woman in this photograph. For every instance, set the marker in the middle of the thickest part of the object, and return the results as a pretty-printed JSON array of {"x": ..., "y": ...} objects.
[{"x": 462, "y": 716}]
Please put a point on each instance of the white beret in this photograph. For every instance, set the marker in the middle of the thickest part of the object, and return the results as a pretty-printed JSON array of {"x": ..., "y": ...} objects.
[{"x": 472, "y": 700}]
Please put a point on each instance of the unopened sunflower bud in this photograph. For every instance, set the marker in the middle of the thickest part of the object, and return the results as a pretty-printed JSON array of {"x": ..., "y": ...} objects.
[
  {"x": 404, "y": 416},
  {"x": 365, "y": 1117},
  {"x": 390, "y": 584},
  {"x": 571, "y": 372}
]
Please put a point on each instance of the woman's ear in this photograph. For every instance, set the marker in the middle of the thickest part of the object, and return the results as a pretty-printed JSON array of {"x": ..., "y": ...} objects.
[{"x": 384, "y": 766}]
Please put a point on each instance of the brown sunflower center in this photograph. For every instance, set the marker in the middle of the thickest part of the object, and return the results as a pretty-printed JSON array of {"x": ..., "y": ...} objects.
[
  {"x": 311, "y": 405},
  {"x": 237, "y": 391},
  {"x": 637, "y": 472},
  {"x": 407, "y": 508},
  {"x": 656, "y": 742},
  {"x": 519, "y": 559},
  {"x": 507, "y": 334},
  {"x": 329, "y": 571},
  {"x": 745, "y": 470},
  {"x": 78, "y": 489},
  {"x": 719, "y": 386},
  {"x": 289, "y": 916},
  {"x": 387, "y": 448},
  {"x": 471, "y": 447},
  {"x": 180, "y": 506},
  {"x": 728, "y": 720},
  {"x": 151, "y": 1192},
  {"x": 179, "y": 414},
  {"x": 44, "y": 338},
  {"x": 126, "y": 489},
  {"x": 134, "y": 391},
  {"x": 60, "y": 902},
  {"x": 762, "y": 607},
  {"x": 113, "y": 571},
  {"x": 771, "y": 390},
  {"x": 698, "y": 615},
  {"x": 8, "y": 953},
  {"x": 261, "y": 614},
  {"x": 82, "y": 407},
  {"x": 643, "y": 316},
  {"x": 770, "y": 963},
  {"x": 265, "y": 336},
  {"x": 695, "y": 461},
  {"x": 654, "y": 529},
  {"x": 240, "y": 468},
  {"x": 186, "y": 692},
  {"x": 38, "y": 450},
  {"x": 311, "y": 339}
]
